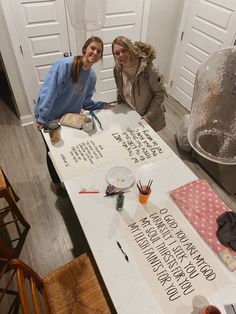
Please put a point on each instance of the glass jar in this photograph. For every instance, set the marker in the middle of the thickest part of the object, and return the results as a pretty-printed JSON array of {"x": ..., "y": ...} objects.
[{"x": 212, "y": 124}]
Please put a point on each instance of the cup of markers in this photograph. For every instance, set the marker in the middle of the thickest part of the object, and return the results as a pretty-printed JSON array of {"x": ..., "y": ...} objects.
[{"x": 144, "y": 191}]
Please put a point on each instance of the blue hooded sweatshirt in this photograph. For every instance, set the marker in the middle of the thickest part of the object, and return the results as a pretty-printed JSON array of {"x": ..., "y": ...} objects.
[{"x": 60, "y": 95}]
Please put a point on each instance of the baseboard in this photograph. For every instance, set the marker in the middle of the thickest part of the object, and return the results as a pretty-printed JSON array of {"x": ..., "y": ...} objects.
[{"x": 25, "y": 120}]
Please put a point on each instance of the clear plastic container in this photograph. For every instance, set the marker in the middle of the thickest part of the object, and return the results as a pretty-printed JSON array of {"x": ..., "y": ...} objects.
[{"x": 212, "y": 124}]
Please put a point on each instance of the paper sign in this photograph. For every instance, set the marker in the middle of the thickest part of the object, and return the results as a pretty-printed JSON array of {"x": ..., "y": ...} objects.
[
  {"x": 176, "y": 262},
  {"x": 138, "y": 145}
]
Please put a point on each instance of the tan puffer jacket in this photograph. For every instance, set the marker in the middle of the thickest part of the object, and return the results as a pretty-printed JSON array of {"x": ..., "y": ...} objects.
[{"x": 148, "y": 92}]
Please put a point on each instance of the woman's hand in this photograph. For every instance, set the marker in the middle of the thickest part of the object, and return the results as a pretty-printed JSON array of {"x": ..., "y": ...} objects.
[
  {"x": 146, "y": 119},
  {"x": 40, "y": 126},
  {"x": 110, "y": 105}
]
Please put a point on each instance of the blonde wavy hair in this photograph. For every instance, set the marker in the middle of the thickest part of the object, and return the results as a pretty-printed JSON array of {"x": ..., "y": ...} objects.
[{"x": 137, "y": 49}]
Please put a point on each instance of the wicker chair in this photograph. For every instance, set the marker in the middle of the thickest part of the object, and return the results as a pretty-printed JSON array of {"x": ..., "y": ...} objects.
[{"x": 71, "y": 289}]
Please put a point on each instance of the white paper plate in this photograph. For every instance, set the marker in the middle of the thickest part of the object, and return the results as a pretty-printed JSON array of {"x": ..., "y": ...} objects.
[{"x": 121, "y": 177}]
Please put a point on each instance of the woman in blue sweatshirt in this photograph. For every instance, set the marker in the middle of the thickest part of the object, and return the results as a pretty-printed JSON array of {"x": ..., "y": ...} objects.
[{"x": 68, "y": 87}]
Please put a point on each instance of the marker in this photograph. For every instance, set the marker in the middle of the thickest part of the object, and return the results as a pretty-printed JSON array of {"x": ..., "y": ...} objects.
[{"x": 125, "y": 255}]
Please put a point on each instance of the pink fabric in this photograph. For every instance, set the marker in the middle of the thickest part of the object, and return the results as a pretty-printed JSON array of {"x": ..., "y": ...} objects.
[{"x": 202, "y": 206}]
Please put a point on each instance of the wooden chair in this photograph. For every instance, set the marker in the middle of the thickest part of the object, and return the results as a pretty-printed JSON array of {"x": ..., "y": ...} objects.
[
  {"x": 8, "y": 207},
  {"x": 72, "y": 289}
]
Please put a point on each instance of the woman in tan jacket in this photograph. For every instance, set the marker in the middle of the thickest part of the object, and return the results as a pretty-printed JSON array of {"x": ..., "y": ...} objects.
[{"x": 138, "y": 81}]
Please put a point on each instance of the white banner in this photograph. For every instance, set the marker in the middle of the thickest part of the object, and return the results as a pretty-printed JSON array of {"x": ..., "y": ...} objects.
[
  {"x": 176, "y": 262},
  {"x": 138, "y": 145}
]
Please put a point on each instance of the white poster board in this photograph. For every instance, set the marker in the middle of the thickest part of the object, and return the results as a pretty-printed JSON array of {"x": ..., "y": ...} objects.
[
  {"x": 137, "y": 145},
  {"x": 175, "y": 261}
]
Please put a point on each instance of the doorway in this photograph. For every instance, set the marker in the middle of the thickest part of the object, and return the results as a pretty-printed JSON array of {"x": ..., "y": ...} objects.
[{"x": 6, "y": 94}]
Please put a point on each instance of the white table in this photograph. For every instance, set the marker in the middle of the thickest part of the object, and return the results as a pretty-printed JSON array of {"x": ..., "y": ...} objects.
[{"x": 127, "y": 286}]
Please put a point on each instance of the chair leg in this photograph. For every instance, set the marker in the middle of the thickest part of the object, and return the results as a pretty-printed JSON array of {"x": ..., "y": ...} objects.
[
  {"x": 5, "y": 184},
  {"x": 8, "y": 193},
  {"x": 5, "y": 250},
  {"x": 14, "y": 208}
]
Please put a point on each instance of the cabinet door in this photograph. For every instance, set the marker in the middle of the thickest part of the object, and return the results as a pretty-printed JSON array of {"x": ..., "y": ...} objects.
[{"x": 206, "y": 27}]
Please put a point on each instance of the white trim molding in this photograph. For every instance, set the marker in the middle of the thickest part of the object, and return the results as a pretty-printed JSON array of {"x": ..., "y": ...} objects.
[
  {"x": 25, "y": 120},
  {"x": 145, "y": 19}
]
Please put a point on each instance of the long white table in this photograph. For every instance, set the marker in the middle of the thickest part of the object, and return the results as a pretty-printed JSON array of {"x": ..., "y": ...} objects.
[{"x": 128, "y": 286}]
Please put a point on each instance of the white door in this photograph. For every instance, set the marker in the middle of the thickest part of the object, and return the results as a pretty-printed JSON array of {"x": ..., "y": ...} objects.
[
  {"x": 43, "y": 35},
  {"x": 122, "y": 18},
  {"x": 206, "y": 26}
]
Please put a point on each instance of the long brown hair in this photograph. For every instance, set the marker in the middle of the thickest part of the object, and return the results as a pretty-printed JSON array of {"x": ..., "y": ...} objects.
[{"x": 78, "y": 60}]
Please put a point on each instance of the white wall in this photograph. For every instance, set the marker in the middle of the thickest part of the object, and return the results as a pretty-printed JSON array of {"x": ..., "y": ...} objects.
[
  {"x": 13, "y": 74},
  {"x": 162, "y": 31}
]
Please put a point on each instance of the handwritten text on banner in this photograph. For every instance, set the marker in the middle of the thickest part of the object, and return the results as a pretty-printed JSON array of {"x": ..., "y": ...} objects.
[
  {"x": 177, "y": 264},
  {"x": 137, "y": 145},
  {"x": 140, "y": 144}
]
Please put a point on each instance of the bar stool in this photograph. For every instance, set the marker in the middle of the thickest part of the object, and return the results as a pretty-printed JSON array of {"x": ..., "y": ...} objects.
[{"x": 9, "y": 208}]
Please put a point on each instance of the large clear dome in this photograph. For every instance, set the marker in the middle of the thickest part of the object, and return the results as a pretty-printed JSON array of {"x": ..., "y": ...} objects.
[{"x": 212, "y": 125}]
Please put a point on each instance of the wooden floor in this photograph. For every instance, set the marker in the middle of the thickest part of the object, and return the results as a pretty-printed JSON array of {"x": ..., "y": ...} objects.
[{"x": 55, "y": 236}]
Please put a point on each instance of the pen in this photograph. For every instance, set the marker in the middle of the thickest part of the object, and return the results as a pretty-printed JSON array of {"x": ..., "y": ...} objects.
[{"x": 125, "y": 255}]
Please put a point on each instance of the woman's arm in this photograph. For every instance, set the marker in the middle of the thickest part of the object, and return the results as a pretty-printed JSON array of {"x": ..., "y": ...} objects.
[
  {"x": 156, "y": 109},
  {"x": 49, "y": 91},
  {"x": 89, "y": 104},
  {"x": 119, "y": 83}
]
